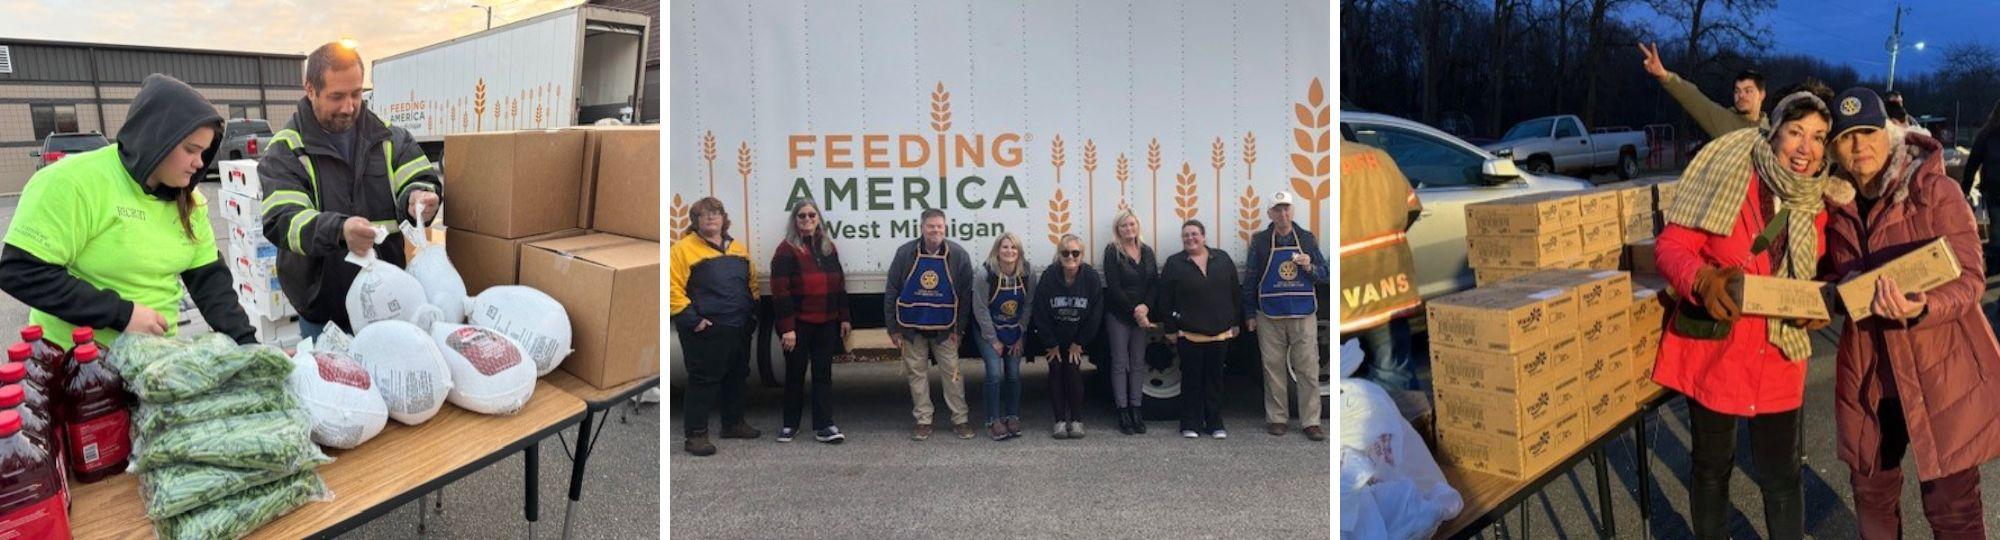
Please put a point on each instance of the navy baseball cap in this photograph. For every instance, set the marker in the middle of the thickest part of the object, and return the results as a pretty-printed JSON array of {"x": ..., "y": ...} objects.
[{"x": 1858, "y": 108}]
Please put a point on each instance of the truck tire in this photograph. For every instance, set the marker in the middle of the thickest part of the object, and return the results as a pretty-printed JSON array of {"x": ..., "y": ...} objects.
[
  {"x": 763, "y": 341},
  {"x": 1540, "y": 165},
  {"x": 1628, "y": 164},
  {"x": 1163, "y": 385}
]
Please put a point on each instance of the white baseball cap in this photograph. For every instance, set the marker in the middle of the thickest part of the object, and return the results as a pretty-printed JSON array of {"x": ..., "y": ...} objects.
[{"x": 1282, "y": 198}]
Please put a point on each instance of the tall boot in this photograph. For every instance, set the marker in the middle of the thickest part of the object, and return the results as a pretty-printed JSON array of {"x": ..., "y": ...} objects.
[
  {"x": 1125, "y": 420},
  {"x": 1138, "y": 420}
]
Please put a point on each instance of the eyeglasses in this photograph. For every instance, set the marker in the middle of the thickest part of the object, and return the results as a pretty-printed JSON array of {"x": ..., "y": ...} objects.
[
  {"x": 1072, "y": 253},
  {"x": 806, "y": 216}
]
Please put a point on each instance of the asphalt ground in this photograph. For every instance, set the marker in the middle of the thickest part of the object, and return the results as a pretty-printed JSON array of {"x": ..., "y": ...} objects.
[
  {"x": 1568, "y": 506},
  {"x": 880, "y": 484},
  {"x": 621, "y": 493}
]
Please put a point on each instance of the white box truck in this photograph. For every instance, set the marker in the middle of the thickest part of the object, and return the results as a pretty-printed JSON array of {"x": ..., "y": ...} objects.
[
  {"x": 572, "y": 66},
  {"x": 1035, "y": 119}
]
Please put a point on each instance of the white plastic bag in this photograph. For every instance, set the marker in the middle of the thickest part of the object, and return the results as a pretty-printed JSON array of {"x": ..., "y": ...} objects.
[
  {"x": 406, "y": 366},
  {"x": 489, "y": 372},
  {"x": 1390, "y": 487},
  {"x": 339, "y": 395},
  {"x": 381, "y": 292},
  {"x": 433, "y": 269},
  {"x": 531, "y": 317}
]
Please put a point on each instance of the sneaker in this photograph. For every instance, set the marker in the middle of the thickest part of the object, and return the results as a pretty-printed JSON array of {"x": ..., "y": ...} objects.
[
  {"x": 1276, "y": 429},
  {"x": 741, "y": 431},
  {"x": 963, "y": 429},
  {"x": 1014, "y": 425},
  {"x": 1061, "y": 430},
  {"x": 830, "y": 435},
  {"x": 1189, "y": 434},
  {"x": 921, "y": 433},
  {"x": 698, "y": 445},
  {"x": 785, "y": 434},
  {"x": 1076, "y": 430},
  {"x": 1219, "y": 434},
  {"x": 998, "y": 430},
  {"x": 1315, "y": 433}
]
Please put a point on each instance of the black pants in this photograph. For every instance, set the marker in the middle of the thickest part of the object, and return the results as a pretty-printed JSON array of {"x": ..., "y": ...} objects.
[
  {"x": 1774, "y": 450},
  {"x": 1066, "y": 389},
  {"x": 817, "y": 343},
  {"x": 718, "y": 361},
  {"x": 1201, "y": 384}
]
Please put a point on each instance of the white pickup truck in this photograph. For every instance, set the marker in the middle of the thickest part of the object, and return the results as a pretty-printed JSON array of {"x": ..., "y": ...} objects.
[{"x": 1560, "y": 144}]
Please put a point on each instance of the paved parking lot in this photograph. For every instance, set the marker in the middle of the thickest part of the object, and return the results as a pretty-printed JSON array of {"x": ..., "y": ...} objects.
[
  {"x": 620, "y": 497},
  {"x": 880, "y": 484}
]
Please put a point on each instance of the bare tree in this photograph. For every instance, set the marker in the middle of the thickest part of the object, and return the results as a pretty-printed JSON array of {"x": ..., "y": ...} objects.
[
  {"x": 1434, "y": 15},
  {"x": 1498, "y": 66},
  {"x": 1599, "y": 9},
  {"x": 1720, "y": 23}
]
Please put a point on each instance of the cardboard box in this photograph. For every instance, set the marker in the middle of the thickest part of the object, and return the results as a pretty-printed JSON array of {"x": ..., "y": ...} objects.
[
  {"x": 1597, "y": 205},
  {"x": 1645, "y": 351},
  {"x": 1663, "y": 192},
  {"x": 1641, "y": 227},
  {"x": 1524, "y": 373},
  {"x": 1921, "y": 270},
  {"x": 238, "y": 208},
  {"x": 1506, "y": 413},
  {"x": 1604, "y": 336},
  {"x": 484, "y": 261},
  {"x": 1784, "y": 298},
  {"x": 1612, "y": 259},
  {"x": 514, "y": 184},
  {"x": 1490, "y": 276},
  {"x": 1560, "y": 313},
  {"x": 240, "y": 176},
  {"x": 1599, "y": 294},
  {"x": 1648, "y": 310},
  {"x": 1644, "y": 257},
  {"x": 1634, "y": 196},
  {"x": 1497, "y": 319},
  {"x": 621, "y": 181},
  {"x": 610, "y": 285},
  {"x": 1511, "y": 457},
  {"x": 1524, "y": 250},
  {"x": 1522, "y": 215},
  {"x": 1610, "y": 402},
  {"x": 1616, "y": 366},
  {"x": 261, "y": 297},
  {"x": 1601, "y": 235}
]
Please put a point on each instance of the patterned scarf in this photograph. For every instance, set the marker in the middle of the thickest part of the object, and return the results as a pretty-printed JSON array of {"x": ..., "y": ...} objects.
[{"x": 1712, "y": 195}]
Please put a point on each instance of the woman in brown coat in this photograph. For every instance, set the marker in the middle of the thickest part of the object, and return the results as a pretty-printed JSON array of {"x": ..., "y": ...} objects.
[{"x": 1921, "y": 374}]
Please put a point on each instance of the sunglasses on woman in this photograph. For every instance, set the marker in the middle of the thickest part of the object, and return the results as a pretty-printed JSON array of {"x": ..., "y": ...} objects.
[
  {"x": 806, "y": 216},
  {"x": 1072, "y": 253}
]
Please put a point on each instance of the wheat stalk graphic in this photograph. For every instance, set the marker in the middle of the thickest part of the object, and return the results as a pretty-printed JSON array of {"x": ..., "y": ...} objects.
[
  {"x": 1090, "y": 190},
  {"x": 941, "y": 122},
  {"x": 1185, "y": 197},
  {"x": 1247, "y": 218},
  {"x": 680, "y": 217},
  {"x": 479, "y": 104},
  {"x": 1312, "y": 160},
  {"x": 1217, "y": 158},
  {"x": 1124, "y": 175},
  {"x": 1249, "y": 154},
  {"x": 1056, "y": 157},
  {"x": 743, "y": 166},
  {"x": 1058, "y": 217},
  {"x": 1153, "y": 163},
  {"x": 708, "y": 153}
]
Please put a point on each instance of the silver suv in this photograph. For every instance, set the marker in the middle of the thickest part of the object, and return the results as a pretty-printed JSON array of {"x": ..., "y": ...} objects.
[{"x": 1448, "y": 173}]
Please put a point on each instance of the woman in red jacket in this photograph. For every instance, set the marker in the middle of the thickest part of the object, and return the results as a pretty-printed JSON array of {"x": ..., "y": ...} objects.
[
  {"x": 1922, "y": 375},
  {"x": 1751, "y": 203}
]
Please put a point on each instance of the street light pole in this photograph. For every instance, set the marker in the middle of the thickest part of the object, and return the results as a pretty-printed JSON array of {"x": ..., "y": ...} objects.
[
  {"x": 1895, "y": 45},
  {"x": 489, "y": 14}
]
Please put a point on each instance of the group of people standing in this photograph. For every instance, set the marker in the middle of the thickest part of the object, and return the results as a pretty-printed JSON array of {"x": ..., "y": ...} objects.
[
  {"x": 937, "y": 294},
  {"x": 1826, "y": 187}
]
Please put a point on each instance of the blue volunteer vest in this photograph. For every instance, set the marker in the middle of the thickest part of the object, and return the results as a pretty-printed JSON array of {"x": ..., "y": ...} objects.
[
  {"x": 1285, "y": 290},
  {"x": 1005, "y": 306},
  {"x": 928, "y": 301}
]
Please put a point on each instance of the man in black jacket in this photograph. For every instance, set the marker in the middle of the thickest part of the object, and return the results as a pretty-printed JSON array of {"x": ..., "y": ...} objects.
[{"x": 335, "y": 174}]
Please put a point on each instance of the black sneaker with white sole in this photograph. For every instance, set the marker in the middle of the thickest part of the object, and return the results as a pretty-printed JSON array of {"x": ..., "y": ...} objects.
[
  {"x": 830, "y": 435},
  {"x": 785, "y": 434},
  {"x": 1189, "y": 434}
]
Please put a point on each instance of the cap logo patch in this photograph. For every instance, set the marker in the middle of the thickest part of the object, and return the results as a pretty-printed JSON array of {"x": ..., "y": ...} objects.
[{"x": 1850, "y": 106}]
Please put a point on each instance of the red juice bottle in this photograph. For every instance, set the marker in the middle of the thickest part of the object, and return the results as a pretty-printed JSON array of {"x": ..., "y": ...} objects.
[
  {"x": 34, "y": 423},
  {"x": 78, "y": 337},
  {"x": 23, "y": 354},
  {"x": 33, "y": 502},
  {"x": 48, "y": 357},
  {"x": 96, "y": 418},
  {"x": 36, "y": 398}
]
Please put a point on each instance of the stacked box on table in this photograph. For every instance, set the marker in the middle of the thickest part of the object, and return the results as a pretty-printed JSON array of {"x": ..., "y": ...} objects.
[
  {"x": 610, "y": 287},
  {"x": 1652, "y": 303},
  {"x": 1508, "y": 394},
  {"x": 252, "y": 260},
  {"x": 1603, "y": 299},
  {"x": 1507, "y": 236}
]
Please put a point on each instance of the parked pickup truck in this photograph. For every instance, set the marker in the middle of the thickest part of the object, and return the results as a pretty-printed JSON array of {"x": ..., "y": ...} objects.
[
  {"x": 244, "y": 139},
  {"x": 1560, "y": 144}
]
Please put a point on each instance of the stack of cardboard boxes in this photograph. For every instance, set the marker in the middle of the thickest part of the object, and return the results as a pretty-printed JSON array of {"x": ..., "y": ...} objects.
[
  {"x": 573, "y": 213},
  {"x": 1504, "y": 360},
  {"x": 1515, "y": 236},
  {"x": 252, "y": 260},
  {"x": 1602, "y": 329}
]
